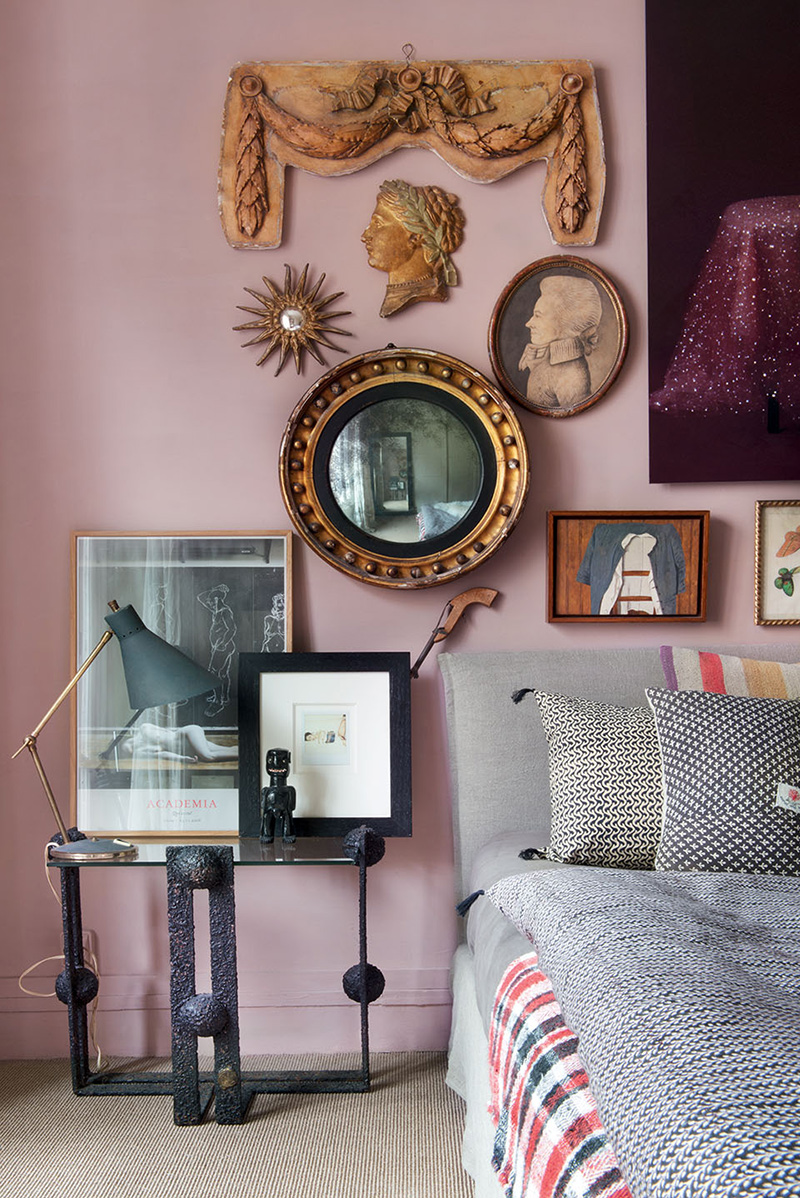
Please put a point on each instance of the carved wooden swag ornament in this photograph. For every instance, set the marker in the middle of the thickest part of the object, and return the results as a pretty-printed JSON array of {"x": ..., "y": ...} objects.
[{"x": 484, "y": 119}]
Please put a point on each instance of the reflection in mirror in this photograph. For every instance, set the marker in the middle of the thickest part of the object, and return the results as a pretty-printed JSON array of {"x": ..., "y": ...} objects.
[
  {"x": 390, "y": 460},
  {"x": 405, "y": 470}
]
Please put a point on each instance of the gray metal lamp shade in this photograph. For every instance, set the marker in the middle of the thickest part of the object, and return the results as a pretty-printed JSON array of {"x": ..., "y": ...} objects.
[{"x": 155, "y": 672}]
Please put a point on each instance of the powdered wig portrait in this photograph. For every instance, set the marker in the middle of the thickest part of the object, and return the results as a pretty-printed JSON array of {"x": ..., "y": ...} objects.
[{"x": 558, "y": 336}]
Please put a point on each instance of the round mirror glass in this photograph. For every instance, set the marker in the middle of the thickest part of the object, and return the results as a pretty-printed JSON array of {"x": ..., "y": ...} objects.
[
  {"x": 292, "y": 319},
  {"x": 405, "y": 470}
]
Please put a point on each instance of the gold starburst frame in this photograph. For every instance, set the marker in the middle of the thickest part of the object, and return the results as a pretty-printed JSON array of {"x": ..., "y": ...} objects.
[{"x": 292, "y": 319}]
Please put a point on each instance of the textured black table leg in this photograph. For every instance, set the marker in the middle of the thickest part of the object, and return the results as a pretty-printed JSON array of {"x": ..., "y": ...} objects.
[
  {"x": 229, "y": 1101},
  {"x": 363, "y": 983},
  {"x": 190, "y": 868},
  {"x": 363, "y": 967},
  {"x": 76, "y": 986}
]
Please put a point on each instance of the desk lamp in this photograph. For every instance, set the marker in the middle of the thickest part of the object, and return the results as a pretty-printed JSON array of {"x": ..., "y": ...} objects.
[{"x": 155, "y": 673}]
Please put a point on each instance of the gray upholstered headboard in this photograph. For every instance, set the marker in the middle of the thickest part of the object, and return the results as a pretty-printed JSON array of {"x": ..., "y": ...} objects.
[{"x": 498, "y": 751}]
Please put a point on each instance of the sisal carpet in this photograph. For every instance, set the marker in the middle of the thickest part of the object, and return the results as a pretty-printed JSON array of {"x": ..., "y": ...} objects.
[{"x": 400, "y": 1140}]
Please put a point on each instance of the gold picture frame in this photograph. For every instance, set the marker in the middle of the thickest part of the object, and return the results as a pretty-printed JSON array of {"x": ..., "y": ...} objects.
[
  {"x": 558, "y": 336},
  {"x": 777, "y": 561}
]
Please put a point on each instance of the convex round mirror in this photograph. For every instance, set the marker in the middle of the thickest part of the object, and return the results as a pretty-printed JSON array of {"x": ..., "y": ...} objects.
[{"x": 404, "y": 467}]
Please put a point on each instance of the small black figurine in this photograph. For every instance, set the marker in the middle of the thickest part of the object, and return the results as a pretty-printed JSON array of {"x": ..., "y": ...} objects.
[{"x": 278, "y": 800}]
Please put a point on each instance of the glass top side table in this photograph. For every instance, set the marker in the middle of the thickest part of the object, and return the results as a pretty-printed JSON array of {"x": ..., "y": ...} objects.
[
  {"x": 210, "y": 866},
  {"x": 305, "y": 851}
]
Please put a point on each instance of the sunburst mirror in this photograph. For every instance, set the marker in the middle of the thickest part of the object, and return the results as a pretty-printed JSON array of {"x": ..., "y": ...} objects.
[{"x": 292, "y": 320}]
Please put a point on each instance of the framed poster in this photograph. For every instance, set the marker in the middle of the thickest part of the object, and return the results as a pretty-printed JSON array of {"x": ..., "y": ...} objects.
[
  {"x": 558, "y": 336},
  {"x": 175, "y": 772},
  {"x": 626, "y": 566},
  {"x": 777, "y": 591},
  {"x": 345, "y": 718}
]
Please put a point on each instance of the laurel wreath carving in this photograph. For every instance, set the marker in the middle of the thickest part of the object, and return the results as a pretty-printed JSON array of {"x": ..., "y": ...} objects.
[
  {"x": 417, "y": 219},
  {"x": 573, "y": 201},
  {"x": 252, "y": 203}
]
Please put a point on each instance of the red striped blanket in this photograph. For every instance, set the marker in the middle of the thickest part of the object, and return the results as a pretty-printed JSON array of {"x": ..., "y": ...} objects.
[{"x": 549, "y": 1141}]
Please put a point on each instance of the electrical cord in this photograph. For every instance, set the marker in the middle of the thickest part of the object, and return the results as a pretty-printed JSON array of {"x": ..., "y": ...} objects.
[{"x": 90, "y": 957}]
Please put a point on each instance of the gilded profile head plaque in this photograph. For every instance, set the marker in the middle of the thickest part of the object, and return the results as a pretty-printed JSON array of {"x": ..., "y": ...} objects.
[{"x": 411, "y": 236}]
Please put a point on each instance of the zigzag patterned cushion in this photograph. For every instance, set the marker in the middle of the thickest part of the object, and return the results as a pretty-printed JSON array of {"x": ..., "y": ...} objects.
[
  {"x": 731, "y": 782},
  {"x": 605, "y": 782}
]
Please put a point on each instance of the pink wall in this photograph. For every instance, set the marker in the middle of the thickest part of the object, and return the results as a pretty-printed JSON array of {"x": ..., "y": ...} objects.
[{"x": 128, "y": 404}]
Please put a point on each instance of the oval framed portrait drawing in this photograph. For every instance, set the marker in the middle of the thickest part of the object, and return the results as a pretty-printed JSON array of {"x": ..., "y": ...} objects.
[{"x": 558, "y": 336}]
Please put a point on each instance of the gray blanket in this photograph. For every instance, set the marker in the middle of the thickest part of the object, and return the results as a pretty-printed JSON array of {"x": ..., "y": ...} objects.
[{"x": 684, "y": 990}]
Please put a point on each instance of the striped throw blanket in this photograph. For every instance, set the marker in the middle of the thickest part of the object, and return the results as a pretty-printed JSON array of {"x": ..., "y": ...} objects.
[
  {"x": 549, "y": 1141},
  {"x": 685, "y": 991}
]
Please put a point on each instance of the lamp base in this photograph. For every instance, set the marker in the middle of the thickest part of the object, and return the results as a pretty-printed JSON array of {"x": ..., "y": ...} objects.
[{"x": 92, "y": 850}]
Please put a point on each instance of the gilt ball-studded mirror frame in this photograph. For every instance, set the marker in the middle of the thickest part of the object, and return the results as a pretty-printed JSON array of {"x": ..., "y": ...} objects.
[{"x": 456, "y": 392}]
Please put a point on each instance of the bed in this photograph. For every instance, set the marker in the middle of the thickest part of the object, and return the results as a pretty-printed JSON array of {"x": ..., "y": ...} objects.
[
  {"x": 592, "y": 936},
  {"x": 433, "y": 519}
]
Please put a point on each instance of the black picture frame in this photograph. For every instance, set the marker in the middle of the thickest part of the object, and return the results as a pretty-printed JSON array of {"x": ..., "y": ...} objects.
[{"x": 360, "y": 777}]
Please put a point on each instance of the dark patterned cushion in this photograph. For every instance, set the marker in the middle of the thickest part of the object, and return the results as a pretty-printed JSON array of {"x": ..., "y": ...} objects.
[
  {"x": 731, "y": 765},
  {"x": 605, "y": 782}
]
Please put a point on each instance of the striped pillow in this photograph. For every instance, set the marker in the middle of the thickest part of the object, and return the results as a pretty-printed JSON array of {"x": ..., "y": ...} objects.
[{"x": 696, "y": 670}]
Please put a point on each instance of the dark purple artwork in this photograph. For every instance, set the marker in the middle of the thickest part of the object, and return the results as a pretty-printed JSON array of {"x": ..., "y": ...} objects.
[{"x": 724, "y": 240}]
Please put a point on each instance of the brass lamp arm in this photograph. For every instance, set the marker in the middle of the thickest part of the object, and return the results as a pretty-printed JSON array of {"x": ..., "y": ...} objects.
[
  {"x": 30, "y": 741},
  {"x": 101, "y": 644}
]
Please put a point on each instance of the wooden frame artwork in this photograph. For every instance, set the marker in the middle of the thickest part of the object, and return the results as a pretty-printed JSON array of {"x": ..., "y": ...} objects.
[
  {"x": 346, "y": 720},
  {"x": 777, "y": 565},
  {"x": 213, "y": 594},
  {"x": 558, "y": 336},
  {"x": 623, "y": 567}
]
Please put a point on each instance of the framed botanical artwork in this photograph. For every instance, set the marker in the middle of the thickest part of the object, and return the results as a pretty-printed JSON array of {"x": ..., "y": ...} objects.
[
  {"x": 175, "y": 771},
  {"x": 558, "y": 336},
  {"x": 777, "y": 561},
  {"x": 626, "y": 566},
  {"x": 345, "y": 719}
]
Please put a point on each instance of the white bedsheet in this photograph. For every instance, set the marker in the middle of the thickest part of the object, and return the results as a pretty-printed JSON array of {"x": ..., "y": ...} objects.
[
  {"x": 478, "y": 966},
  {"x": 493, "y": 942}
]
